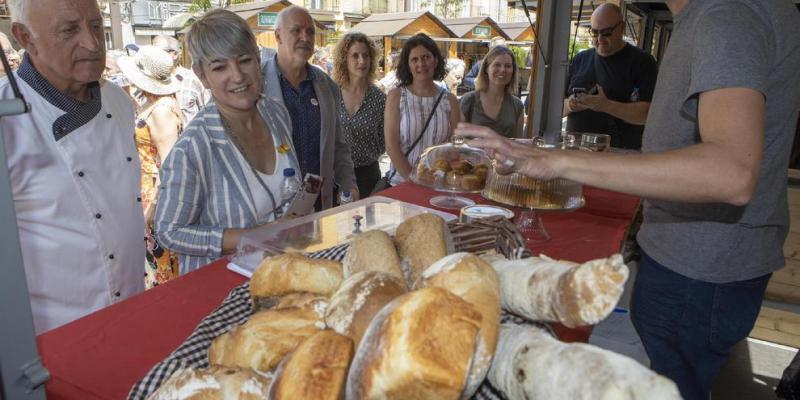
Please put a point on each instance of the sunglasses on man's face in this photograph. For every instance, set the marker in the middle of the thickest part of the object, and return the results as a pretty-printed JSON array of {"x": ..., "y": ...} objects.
[{"x": 607, "y": 32}]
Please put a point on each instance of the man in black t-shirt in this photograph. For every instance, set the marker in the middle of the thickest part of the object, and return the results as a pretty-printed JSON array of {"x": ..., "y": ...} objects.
[{"x": 609, "y": 87}]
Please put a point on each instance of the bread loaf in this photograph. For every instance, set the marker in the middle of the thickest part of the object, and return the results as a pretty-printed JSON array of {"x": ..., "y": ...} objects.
[
  {"x": 361, "y": 296},
  {"x": 293, "y": 273},
  {"x": 530, "y": 364},
  {"x": 372, "y": 251},
  {"x": 421, "y": 241},
  {"x": 476, "y": 282},
  {"x": 419, "y": 346},
  {"x": 305, "y": 301},
  {"x": 214, "y": 383},
  {"x": 543, "y": 289},
  {"x": 262, "y": 341},
  {"x": 317, "y": 369}
]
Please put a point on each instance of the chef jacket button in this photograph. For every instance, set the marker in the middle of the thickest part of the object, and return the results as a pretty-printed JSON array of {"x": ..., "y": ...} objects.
[
  {"x": 110, "y": 256},
  {"x": 139, "y": 199},
  {"x": 129, "y": 159},
  {"x": 108, "y": 115},
  {"x": 117, "y": 294},
  {"x": 98, "y": 216},
  {"x": 80, "y": 173}
]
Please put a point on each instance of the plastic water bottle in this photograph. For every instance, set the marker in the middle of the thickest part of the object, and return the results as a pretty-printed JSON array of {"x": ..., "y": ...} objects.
[
  {"x": 289, "y": 188},
  {"x": 345, "y": 197}
]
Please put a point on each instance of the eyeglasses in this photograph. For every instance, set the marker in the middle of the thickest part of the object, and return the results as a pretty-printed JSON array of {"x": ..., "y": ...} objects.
[{"x": 604, "y": 32}]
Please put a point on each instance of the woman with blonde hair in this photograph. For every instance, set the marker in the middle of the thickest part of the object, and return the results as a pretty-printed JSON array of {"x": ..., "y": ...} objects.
[
  {"x": 493, "y": 102},
  {"x": 152, "y": 87},
  {"x": 361, "y": 109}
]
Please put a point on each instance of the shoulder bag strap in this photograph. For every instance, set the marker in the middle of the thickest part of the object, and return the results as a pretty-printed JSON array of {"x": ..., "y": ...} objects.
[{"x": 427, "y": 122}]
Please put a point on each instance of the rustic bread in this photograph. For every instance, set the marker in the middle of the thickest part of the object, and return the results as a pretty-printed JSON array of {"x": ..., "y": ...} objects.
[
  {"x": 530, "y": 364},
  {"x": 361, "y": 296},
  {"x": 305, "y": 301},
  {"x": 213, "y": 383},
  {"x": 543, "y": 289},
  {"x": 294, "y": 273},
  {"x": 475, "y": 281},
  {"x": 262, "y": 341},
  {"x": 372, "y": 251},
  {"x": 421, "y": 241},
  {"x": 420, "y": 346},
  {"x": 317, "y": 369}
]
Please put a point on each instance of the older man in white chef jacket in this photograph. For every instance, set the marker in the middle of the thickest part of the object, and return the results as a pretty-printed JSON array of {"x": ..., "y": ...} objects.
[{"x": 73, "y": 165}]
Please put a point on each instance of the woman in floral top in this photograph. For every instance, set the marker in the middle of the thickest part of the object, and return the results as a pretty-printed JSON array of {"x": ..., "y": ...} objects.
[{"x": 361, "y": 108}]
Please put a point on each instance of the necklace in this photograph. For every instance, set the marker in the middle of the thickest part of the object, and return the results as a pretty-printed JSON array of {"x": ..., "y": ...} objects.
[{"x": 235, "y": 141}]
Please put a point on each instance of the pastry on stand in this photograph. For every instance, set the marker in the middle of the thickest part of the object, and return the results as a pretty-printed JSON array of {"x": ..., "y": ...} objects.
[{"x": 452, "y": 168}]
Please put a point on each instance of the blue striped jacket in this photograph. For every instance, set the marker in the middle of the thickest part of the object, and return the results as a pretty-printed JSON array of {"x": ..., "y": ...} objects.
[{"x": 203, "y": 189}]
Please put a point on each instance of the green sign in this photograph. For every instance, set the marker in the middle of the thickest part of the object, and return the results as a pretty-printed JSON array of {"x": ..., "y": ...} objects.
[
  {"x": 267, "y": 18},
  {"x": 481, "y": 30}
]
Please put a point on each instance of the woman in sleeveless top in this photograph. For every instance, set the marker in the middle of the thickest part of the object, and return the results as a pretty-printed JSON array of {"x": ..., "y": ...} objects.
[
  {"x": 409, "y": 105},
  {"x": 493, "y": 102},
  {"x": 158, "y": 123}
]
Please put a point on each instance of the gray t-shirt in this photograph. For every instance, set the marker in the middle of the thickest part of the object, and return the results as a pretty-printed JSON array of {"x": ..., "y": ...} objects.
[
  {"x": 722, "y": 44},
  {"x": 506, "y": 121}
]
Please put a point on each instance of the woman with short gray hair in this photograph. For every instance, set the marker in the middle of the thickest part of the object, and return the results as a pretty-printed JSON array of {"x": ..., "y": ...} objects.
[{"x": 224, "y": 174}]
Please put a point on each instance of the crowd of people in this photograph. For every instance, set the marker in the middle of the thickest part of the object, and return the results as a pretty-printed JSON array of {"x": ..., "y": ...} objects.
[{"x": 132, "y": 170}]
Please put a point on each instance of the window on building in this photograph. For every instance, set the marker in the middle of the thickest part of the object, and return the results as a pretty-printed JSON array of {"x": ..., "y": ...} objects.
[{"x": 315, "y": 4}]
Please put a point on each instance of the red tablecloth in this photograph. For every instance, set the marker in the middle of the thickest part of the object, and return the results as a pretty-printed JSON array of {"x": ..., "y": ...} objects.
[{"x": 103, "y": 354}]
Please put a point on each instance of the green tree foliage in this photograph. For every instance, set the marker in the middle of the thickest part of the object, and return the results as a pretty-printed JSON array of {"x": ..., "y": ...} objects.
[
  {"x": 205, "y": 5},
  {"x": 444, "y": 8}
]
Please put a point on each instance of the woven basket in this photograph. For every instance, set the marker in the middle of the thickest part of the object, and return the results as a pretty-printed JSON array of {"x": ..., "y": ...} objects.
[{"x": 487, "y": 234}]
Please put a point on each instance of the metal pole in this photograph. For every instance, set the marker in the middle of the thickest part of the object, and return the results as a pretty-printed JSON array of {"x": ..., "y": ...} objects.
[
  {"x": 21, "y": 373},
  {"x": 116, "y": 24},
  {"x": 554, "y": 29}
]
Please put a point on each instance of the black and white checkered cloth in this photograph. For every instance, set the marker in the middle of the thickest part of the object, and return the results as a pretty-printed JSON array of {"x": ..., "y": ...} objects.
[{"x": 234, "y": 311}]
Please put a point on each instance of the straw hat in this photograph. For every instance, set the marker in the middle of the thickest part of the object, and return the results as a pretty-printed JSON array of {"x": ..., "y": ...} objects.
[{"x": 150, "y": 69}]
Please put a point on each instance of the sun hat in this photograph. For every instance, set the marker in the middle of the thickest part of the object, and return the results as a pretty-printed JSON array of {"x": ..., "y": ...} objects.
[{"x": 150, "y": 69}]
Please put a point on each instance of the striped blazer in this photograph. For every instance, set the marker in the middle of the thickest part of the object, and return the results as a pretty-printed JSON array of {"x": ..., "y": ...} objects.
[{"x": 203, "y": 188}]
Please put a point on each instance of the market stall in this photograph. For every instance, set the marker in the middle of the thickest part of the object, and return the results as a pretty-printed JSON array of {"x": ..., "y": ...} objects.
[
  {"x": 102, "y": 355},
  {"x": 261, "y": 17},
  {"x": 393, "y": 28},
  {"x": 476, "y": 33}
]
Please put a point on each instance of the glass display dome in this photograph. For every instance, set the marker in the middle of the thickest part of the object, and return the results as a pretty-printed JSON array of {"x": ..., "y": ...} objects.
[{"x": 454, "y": 168}]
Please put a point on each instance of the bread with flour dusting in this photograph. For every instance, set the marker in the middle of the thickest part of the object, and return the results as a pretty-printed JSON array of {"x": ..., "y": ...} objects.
[
  {"x": 293, "y": 273},
  {"x": 419, "y": 346},
  {"x": 475, "y": 281},
  {"x": 543, "y": 289},
  {"x": 213, "y": 383},
  {"x": 530, "y": 364},
  {"x": 421, "y": 241}
]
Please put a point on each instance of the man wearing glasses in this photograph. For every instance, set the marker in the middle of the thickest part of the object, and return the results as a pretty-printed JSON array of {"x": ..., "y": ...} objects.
[{"x": 610, "y": 86}]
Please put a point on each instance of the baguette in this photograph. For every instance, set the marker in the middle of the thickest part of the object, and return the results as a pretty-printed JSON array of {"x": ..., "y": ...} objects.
[
  {"x": 262, "y": 341},
  {"x": 317, "y": 369},
  {"x": 530, "y": 364},
  {"x": 372, "y": 251},
  {"x": 475, "y": 281},
  {"x": 543, "y": 289},
  {"x": 419, "y": 346}
]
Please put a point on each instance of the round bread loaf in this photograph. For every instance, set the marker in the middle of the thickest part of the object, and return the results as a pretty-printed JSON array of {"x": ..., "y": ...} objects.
[
  {"x": 475, "y": 281},
  {"x": 213, "y": 383},
  {"x": 361, "y": 296}
]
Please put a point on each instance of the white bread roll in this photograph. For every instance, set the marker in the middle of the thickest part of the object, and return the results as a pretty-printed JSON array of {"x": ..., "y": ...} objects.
[
  {"x": 475, "y": 281},
  {"x": 214, "y": 383},
  {"x": 543, "y": 289},
  {"x": 530, "y": 364},
  {"x": 294, "y": 273},
  {"x": 372, "y": 251},
  {"x": 421, "y": 241},
  {"x": 317, "y": 369},
  {"x": 419, "y": 346},
  {"x": 263, "y": 341},
  {"x": 361, "y": 296}
]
